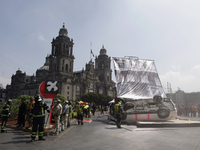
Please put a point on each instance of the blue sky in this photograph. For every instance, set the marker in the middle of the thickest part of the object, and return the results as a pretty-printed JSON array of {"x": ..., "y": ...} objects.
[{"x": 165, "y": 31}]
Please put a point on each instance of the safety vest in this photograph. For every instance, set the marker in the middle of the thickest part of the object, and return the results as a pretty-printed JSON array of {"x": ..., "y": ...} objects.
[
  {"x": 118, "y": 109},
  {"x": 78, "y": 109},
  {"x": 86, "y": 107},
  {"x": 30, "y": 105}
]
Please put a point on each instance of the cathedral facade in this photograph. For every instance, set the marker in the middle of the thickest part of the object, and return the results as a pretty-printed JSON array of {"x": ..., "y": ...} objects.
[{"x": 59, "y": 66}]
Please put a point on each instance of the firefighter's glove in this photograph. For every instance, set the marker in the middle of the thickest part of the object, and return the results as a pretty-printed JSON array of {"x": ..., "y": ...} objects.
[{"x": 48, "y": 111}]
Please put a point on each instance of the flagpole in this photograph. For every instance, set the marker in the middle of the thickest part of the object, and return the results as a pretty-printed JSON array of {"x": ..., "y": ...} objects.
[{"x": 90, "y": 49}]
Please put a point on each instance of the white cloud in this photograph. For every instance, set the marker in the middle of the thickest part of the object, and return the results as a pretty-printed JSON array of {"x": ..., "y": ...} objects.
[
  {"x": 187, "y": 83},
  {"x": 41, "y": 38},
  {"x": 5, "y": 81},
  {"x": 197, "y": 67},
  {"x": 176, "y": 67}
]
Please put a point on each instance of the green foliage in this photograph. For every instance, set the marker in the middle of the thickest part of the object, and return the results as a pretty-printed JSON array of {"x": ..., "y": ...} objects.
[
  {"x": 1, "y": 107},
  {"x": 96, "y": 98},
  {"x": 61, "y": 98},
  {"x": 15, "y": 105},
  {"x": 90, "y": 97}
]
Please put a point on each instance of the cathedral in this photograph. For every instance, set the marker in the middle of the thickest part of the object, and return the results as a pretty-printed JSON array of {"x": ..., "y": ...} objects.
[{"x": 96, "y": 77}]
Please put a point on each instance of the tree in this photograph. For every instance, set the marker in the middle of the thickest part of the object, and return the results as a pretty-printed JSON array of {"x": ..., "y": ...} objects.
[
  {"x": 61, "y": 98},
  {"x": 96, "y": 98},
  {"x": 90, "y": 97},
  {"x": 16, "y": 103}
]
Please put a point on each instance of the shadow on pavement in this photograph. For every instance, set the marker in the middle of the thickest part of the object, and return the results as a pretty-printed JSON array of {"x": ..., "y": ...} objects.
[{"x": 17, "y": 142}]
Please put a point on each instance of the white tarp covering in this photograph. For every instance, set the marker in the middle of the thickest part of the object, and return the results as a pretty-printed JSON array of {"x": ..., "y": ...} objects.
[{"x": 137, "y": 78}]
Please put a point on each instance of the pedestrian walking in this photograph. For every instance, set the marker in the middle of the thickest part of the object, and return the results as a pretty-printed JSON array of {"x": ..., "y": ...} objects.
[
  {"x": 38, "y": 114},
  {"x": 5, "y": 115},
  {"x": 118, "y": 112},
  {"x": 57, "y": 112},
  {"x": 22, "y": 112},
  {"x": 93, "y": 109},
  {"x": 65, "y": 114}
]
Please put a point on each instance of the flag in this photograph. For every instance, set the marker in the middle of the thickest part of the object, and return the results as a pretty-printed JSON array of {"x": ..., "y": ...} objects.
[{"x": 92, "y": 53}]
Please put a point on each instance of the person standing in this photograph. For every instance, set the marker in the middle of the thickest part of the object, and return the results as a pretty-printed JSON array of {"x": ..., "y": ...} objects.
[
  {"x": 38, "y": 114},
  {"x": 22, "y": 112},
  {"x": 57, "y": 112},
  {"x": 79, "y": 111},
  {"x": 86, "y": 110},
  {"x": 65, "y": 114},
  {"x": 93, "y": 109},
  {"x": 5, "y": 114},
  {"x": 118, "y": 111},
  {"x": 29, "y": 110},
  {"x": 102, "y": 109},
  {"x": 70, "y": 110}
]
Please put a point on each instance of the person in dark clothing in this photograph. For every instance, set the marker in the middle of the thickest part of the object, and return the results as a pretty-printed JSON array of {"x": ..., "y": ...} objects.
[
  {"x": 5, "y": 115},
  {"x": 38, "y": 114},
  {"x": 102, "y": 109},
  {"x": 22, "y": 112},
  {"x": 93, "y": 109}
]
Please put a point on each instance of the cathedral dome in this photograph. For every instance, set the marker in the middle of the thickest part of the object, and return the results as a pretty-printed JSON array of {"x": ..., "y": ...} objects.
[
  {"x": 103, "y": 51},
  {"x": 63, "y": 31}
]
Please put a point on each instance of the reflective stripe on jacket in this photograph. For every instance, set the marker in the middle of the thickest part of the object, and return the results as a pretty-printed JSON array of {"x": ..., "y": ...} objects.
[
  {"x": 38, "y": 109},
  {"x": 6, "y": 111}
]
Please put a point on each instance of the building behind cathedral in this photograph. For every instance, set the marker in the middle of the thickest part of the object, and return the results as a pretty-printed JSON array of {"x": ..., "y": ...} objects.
[{"x": 59, "y": 66}]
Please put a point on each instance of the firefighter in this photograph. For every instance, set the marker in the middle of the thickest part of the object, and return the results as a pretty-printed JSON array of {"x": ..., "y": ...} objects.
[
  {"x": 5, "y": 114},
  {"x": 79, "y": 110},
  {"x": 118, "y": 112},
  {"x": 38, "y": 114}
]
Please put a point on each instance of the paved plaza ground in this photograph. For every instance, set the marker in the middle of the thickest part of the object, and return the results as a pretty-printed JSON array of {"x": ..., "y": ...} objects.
[{"x": 101, "y": 134}]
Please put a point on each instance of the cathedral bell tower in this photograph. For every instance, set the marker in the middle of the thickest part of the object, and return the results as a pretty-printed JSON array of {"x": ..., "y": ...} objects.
[
  {"x": 102, "y": 66},
  {"x": 61, "y": 58}
]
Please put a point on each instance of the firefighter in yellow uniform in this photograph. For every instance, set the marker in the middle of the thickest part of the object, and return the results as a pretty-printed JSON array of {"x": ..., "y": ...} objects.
[
  {"x": 118, "y": 113},
  {"x": 79, "y": 110}
]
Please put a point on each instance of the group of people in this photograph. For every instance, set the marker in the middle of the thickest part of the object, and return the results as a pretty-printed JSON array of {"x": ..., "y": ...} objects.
[
  {"x": 35, "y": 112},
  {"x": 63, "y": 112},
  {"x": 188, "y": 110}
]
